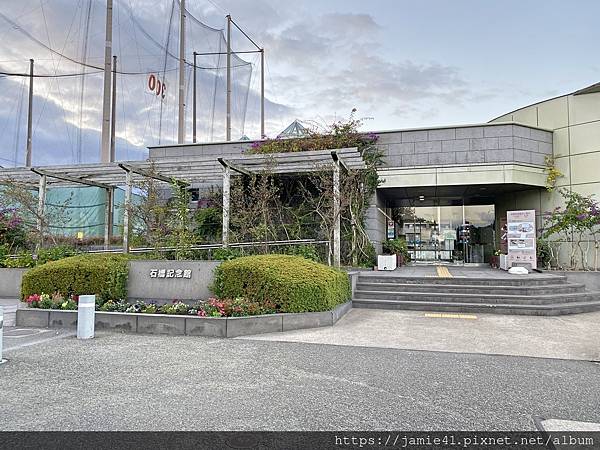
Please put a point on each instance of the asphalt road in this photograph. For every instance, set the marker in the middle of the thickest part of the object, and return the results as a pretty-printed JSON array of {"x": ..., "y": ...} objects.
[{"x": 136, "y": 382}]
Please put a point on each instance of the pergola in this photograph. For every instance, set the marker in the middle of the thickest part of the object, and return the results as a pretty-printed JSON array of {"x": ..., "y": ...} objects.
[{"x": 185, "y": 171}]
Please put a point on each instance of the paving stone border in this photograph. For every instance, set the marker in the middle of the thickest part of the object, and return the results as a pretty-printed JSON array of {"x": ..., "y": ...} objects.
[{"x": 184, "y": 325}]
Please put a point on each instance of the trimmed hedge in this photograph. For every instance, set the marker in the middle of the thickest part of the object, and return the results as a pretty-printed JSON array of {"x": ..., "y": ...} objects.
[
  {"x": 103, "y": 275},
  {"x": 292, "y": 283}
]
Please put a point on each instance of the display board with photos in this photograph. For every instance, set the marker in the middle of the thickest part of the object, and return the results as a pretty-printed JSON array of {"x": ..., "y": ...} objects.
[{"x": 521, "y": 237}]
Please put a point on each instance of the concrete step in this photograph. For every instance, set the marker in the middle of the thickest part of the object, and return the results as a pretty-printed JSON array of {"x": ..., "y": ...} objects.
[
  {"x": 553, "y": 309},
  {"x": 475, "y": 298},
  {"x": 485, "y": 281},
  {"x": 566, "y": 288}
]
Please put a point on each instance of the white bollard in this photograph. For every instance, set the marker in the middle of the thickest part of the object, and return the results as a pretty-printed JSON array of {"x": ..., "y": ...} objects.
[
  {"x": 1, "y": 331},
  {"x": 86, "y": 316}
]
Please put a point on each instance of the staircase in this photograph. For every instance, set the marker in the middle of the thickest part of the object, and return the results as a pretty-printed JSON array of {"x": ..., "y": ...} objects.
[{"x": 546, "y": 295}]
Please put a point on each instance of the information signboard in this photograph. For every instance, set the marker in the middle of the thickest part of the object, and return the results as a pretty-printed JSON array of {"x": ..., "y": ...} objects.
[{"x": 521, "y": 237}]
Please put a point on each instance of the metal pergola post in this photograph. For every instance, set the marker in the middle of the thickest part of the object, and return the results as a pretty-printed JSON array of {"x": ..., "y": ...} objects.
[
  {"x": 126, "y": 210},
  {"x": 336, "y": 214},
  {"x": 108, "y": 217},
  {"x": 41, "y": 207},
  {"x": 226, "y": 203}
]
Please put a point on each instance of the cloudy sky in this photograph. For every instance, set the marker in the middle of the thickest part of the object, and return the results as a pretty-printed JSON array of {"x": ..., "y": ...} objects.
[{"x": 400, "y": 63}]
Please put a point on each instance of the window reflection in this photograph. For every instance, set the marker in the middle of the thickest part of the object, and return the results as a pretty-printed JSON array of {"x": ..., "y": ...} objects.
[{"x": 448, "y": 233}]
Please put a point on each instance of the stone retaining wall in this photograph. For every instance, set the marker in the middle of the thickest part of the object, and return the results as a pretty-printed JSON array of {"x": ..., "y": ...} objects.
[
  {"x": 10, "y": 282},
  {"x": 184, "y": 325}
]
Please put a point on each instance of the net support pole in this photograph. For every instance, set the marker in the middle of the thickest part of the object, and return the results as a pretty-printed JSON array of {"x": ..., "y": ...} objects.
[
  {"x": 108, "y": 218},
  {"x": 195, "y": 104},
  {"x": 181, "y": 116},
  {"x": 29, "y": 116},
  {"x": 262, "y": 93},
  {"x": 113, "y": 111},
  {"x": 228, "y": 106},
  {"x": 226, "y": 203},
  {"x": 336, "y": 214},
  {"x": 105, "y": 148},
  {"x": 41, "y": 207},
  {"x": 126, "y": 211}
]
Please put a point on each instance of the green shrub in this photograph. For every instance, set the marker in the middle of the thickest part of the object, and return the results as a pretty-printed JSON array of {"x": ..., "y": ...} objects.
[
  {"x": 291, "y": 283},
  {"x": 102, "y": 275}
]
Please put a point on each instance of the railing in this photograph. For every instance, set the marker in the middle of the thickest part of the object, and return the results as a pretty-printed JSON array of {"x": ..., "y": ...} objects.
[{"x": 209, "y": 247}]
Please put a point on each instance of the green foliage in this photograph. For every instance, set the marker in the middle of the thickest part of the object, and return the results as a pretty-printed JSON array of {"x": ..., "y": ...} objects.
[
  {"x": 552, "y": 173},
  {"x": 102, "y": 275},
  {"x": 54, "y": 301},
  {"x": 544, "y": 252},
  {"x": 237, "y": 307},
  {"x": 397, "y": 246},
  {"x": 176, "y": 307},
  {"x": 226, "y": 253},
  {"x": 12, "y": 229},
  {"x": 291, "y": 283},
  {"x": 3, "y": 253},
  {"x": 55, "y": 253},
  {"x": 208, "y": 224},
  {"x": 114, "y": 306},
  {"x": 315, "y": 207},
  {"x": 181, "y": 228},
  {"x": 306, "y": 251},
  {"x": 579, "y": 217},
  {"x": 23, "y": 260}
]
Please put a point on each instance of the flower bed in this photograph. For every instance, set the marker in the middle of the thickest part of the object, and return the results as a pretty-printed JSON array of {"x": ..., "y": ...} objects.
[
  {"x": 237, "y": 307},
  {"x": 183, "y": 324}
]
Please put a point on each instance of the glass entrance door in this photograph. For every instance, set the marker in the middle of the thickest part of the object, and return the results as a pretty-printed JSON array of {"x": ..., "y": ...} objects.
[{"x": 449, "y": 233}]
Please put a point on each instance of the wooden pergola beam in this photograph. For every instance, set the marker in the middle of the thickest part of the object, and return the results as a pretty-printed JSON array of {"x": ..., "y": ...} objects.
[
  {"x": 237, "y": 168},
  {"x": 68, "y": 178},
  {"x": 132, "y": 169}
]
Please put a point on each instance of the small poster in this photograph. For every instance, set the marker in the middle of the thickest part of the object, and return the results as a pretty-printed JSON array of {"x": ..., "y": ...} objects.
[
  {"x": 521, "y": 238},
  {"x": 391, "y": 229}
]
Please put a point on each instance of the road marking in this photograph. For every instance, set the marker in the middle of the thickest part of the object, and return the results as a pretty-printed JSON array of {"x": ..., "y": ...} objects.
[
  {"x": 443, "y": 272},
  {"x": 569, "y": 425},
  {"x": 451, "y": 316}
]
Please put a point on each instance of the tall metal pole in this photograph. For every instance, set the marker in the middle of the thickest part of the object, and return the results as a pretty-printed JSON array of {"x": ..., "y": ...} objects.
[
  {"x": 105, "y": 149},
  {"x": 113, "y": 110},
  {"x": 29, "y": 116},
  {"x": 181, "y": 128},
  {"x": 194, "y": 106},
  {"x": 262, "y": 92},
  {"x": 228, "y": 132}
]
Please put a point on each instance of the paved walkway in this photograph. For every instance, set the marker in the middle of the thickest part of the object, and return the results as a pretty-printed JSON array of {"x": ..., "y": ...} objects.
[
  {"x": 566, "y": 337},
  {"x": 135, "y": 382}
]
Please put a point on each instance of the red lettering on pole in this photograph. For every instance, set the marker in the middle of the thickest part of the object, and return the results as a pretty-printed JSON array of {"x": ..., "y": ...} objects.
[{"x": 151, "y": 82}]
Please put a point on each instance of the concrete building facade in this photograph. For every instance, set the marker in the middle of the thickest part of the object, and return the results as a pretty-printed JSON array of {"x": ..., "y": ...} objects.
[{"x": 447, "y": 189}]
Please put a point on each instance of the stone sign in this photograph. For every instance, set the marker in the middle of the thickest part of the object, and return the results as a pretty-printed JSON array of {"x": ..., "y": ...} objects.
[{"x": 163, "y": 281}]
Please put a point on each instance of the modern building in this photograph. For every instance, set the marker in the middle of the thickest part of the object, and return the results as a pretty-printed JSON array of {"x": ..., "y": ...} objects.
[{"x": 447, "y": 189}]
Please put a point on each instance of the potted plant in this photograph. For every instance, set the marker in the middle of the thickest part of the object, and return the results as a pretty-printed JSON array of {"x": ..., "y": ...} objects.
[
  {"x": 495, "y": 259},
  {"x": 399, "y": 248}
]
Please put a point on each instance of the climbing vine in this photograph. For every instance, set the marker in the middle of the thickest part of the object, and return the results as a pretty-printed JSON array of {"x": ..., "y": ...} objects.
[{"x": 552, "y": 173}]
